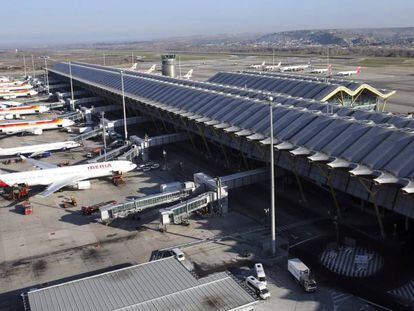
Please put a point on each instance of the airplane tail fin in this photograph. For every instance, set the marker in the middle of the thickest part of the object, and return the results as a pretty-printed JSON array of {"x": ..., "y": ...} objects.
[
  {"x": 329, "y": 69},
  {"x": 358, "y": 70},
  {"x": 188, "y": 74},
  {"x": 134, "y": 66},
  {"x": 264, "y": 63},
  {"x": 151, "y": 69}
]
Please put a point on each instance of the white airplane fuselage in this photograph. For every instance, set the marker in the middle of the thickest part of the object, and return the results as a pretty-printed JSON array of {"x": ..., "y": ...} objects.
[
  {"x": 14, "y": 94},
  {"x": 81, "y": 172},
  {"x": 294, "y": 68},
  {"x": 62, "y": 145},
  {"x": 32, "y": 126},
  {"x": 11, "y": 88},
  {"x": 23, "y": 110},
  {"x": 319, "y": 71}
]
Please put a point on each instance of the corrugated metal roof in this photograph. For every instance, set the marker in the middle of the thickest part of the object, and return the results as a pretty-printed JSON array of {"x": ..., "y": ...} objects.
[
  {"x": 164, "y": 284},
  {"x": 298, "y": 86}
]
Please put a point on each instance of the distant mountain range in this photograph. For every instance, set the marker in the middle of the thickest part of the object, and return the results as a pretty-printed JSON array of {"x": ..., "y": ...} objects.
[{"x": 343, "y": 37}]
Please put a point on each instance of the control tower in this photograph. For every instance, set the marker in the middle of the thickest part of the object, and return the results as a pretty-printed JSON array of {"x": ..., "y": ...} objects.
[{"x": 168, "y": 65}]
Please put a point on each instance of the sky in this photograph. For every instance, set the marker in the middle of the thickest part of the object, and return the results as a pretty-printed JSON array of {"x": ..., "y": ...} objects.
[{"x": 62, "y": 21}]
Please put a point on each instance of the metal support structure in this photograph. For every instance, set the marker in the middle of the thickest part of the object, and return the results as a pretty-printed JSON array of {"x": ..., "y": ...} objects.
[
  {"x": 123, "y": 105},
  {"x": 272, "y": 176},
  {"x": 222, "y": 149},
  {"x": 295, "y": 172},
  {"x": 373, "y": 195},
  {"x": 331, "y": 189},
  {"x": 205, "y": 141}
]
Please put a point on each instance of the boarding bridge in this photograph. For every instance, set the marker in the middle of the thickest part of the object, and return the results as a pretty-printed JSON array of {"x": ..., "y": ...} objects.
[
  {"x": 145, "y": 143},
  {"x": 130, "y": 154},
  {"x": 96, "y": 132},
  {"x": 112, "y": 154},
  {"x": 176, "y": 213},
  {"x": 63, "y": 95},
  {"x": 58, "y": 86},
  {"x": 211, "y": 192},
  {"x": 75, "y": 116},
  {"x": 111, "y": 212}
]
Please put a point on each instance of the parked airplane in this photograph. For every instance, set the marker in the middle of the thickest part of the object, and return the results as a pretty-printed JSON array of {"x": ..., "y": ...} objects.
[
  {"x": 15, "y": 94},
  {"x": 4, "y": 79},
  {"x": 133, "y": 67},
  {"x": 16, "y": 112},
  {"x": 261, "y": 66},
  {"x": 34, "y": 127},
  {"x": 35, "y": 150},
  {"x": 294, "y": 68},
  {"x": 188, "y": 75},
  {"x": 8, "y": 104},
  {"x": 13, "y": 83},
  {"x": 24, "y": 86},
  {"x": 55, "y": 178},
  {"x": 273, "y": 67},
  {"x": 151, "y": 69},
  {"x": 327, "y": 70},
  {"x": 349, "y": 73}
]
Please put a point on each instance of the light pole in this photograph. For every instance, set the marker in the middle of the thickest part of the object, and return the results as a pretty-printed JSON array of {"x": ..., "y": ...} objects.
[
  {"x": 272, "y": 176},
  {"x": 33, "y": 66},
  {"x": 164, "y": 154},
  {"x": 103, "y": 132},
  {"x": 71, "y": 81},
  {"x": 123, "y": 105},
  {"x": 104, "y": 61},
  {"x": 24, "y": 65},
  {"x": 45, "y": 58}
]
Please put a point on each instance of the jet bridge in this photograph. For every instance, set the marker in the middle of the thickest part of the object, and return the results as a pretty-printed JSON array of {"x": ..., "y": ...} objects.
[
  {"x": 209, "y": 191},
  {"x": 144, "y": 144},
  {"x": 112, "y": 154},
  {"x": 111, "y": 212}
]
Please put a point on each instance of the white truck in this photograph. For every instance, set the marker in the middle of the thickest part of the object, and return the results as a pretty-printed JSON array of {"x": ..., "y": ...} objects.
[
  {"x": 260, "y": 274},
  {"x": 258, "y": 287},
  {"x": 302, "y": 274}
]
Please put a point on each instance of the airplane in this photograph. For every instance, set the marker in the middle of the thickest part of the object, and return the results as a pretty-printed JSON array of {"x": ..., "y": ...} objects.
[
  {"x": 133, "y": 67},
  {"x": 188, "y": 75},
  {"x": 327, "y": 70},
  {"x": 24, "y": 86},
  {"x": 260, "y": 66},
  {"x": 273, "y": 67},
  {"x": 35, "y": 150},
  {"x": 34, "y": 127},
  {"x": 15, "y": 94},
  {"x": 16, "y": 112},
  {"x": 294, "y": 68},
  {"x": 5, "y": 84},
  {"x": 8, "y": 104},
  {"x": 4, "y": 79},
  {"x": 55, "y": 177},
  {"x": 349, "y": 73},
  {"x": 151, "y": 69}
]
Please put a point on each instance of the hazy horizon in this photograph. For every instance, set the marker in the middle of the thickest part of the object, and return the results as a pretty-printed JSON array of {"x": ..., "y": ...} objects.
[{"x": 40, "y": 23}]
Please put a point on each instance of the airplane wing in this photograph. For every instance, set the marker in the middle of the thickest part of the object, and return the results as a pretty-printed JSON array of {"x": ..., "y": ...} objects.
[
  {"x": 59, "y": 184},
  {"x": 39, "y": 164}
]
